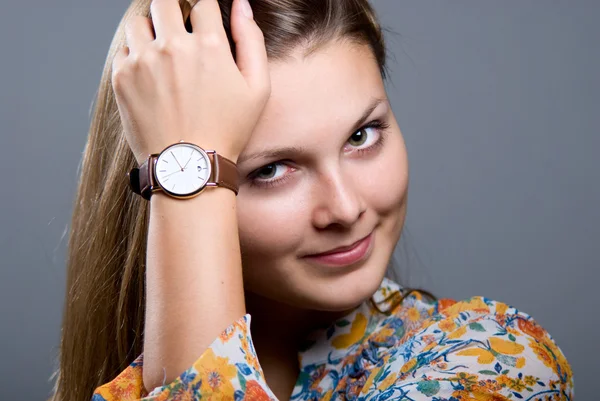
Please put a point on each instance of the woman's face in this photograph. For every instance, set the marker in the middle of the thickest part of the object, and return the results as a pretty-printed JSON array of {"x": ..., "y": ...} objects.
[{"x": 334, "y": 188}]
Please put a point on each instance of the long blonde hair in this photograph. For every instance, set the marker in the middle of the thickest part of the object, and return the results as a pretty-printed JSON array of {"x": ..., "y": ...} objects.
[{"x": 103, "y": 318}]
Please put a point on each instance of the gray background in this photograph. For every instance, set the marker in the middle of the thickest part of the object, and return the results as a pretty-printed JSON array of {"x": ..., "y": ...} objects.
[{"x": 499, "y": 104}]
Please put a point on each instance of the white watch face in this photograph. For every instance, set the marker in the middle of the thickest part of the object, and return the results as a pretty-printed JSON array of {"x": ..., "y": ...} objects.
[{"x": 183, "y": 169}]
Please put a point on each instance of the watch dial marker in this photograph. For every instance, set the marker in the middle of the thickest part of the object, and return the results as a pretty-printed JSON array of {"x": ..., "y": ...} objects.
[{"x": 179, "y": 180}]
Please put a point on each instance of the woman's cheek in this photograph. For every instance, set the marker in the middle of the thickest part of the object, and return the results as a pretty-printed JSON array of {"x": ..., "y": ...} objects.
[
  {"x": 388, "y": 185},
  {"x": 270, "y": 225}
]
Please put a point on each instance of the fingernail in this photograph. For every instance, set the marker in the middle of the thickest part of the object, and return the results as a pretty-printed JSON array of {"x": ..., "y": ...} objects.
[{"x": 246, "y": 9}]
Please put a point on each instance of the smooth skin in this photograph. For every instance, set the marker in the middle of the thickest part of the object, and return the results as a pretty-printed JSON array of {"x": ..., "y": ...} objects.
[
  {"x": 331, "y": 196},
  {"x": 337, "y": 189},
  {"x": 187, "y": 86}
]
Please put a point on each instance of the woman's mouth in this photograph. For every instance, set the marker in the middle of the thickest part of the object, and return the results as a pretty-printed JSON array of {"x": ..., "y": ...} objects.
[{"x": 359, "y": 251}]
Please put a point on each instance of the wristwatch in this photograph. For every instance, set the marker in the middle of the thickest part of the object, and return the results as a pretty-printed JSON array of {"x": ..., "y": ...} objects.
[{"x": 183, "y": 170}]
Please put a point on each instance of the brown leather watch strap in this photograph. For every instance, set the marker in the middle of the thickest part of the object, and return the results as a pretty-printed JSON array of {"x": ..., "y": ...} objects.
[
  {"x": 141, "y": 180},
  {"x": 224, "y": 174}
]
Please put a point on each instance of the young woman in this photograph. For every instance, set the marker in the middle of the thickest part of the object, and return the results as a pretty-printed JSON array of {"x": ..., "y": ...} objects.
[{"x": 295, "y": 233}]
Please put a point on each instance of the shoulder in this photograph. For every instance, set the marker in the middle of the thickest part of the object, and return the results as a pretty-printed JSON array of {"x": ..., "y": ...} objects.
[{"x": 473, "y": 349}]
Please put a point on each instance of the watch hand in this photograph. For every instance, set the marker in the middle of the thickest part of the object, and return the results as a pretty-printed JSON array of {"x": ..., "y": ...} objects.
[
  {"x": 187, "y": 162},
  {"x": 177, "y": 160},
  {"x": 171, "y": 173}
]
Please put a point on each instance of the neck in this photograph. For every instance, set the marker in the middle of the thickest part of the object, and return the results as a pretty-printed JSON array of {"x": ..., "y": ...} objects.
[
  {"x": 278, "y": 331},
  {"x": 285, "y": 326}
]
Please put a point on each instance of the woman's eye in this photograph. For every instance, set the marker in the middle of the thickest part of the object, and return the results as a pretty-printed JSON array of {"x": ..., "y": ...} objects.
[
  {"x": 367, "y": 139},
  {"x": 363, "y": 136},
  {"x": 267, "y": 172},
  {"x": 267, "y": 176}
]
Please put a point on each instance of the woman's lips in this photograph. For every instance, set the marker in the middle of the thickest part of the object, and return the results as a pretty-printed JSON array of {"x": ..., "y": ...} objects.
[{"x": 344, "y": 258}]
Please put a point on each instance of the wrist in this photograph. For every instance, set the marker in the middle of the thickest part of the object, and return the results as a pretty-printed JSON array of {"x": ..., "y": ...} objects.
[
  {"x": 223, "y": 150},
  {"x": 205, "y": 199}
]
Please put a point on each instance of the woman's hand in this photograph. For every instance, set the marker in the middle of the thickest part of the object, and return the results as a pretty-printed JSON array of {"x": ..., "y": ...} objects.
[{"x": 183, "y": 85}]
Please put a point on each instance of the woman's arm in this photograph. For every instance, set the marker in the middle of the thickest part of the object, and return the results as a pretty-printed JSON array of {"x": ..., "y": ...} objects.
[
  {"x": 193, "y": 278},
  {"x": 170, "y": 85}
]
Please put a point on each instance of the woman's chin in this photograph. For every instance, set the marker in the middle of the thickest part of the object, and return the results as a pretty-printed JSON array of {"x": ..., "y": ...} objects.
[{"x": 342, "y": 294}]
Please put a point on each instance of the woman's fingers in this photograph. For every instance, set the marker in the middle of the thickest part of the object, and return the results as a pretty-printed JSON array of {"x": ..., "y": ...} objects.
[
  {"x": 206, "y": 19},
  {"x": 119, "y": 58},
  {"x": 138, "y": 32},
  {"x": 251, "y": 54},
  {"x": 167, "y": 18},
  {"x": 183, "y": 83}
]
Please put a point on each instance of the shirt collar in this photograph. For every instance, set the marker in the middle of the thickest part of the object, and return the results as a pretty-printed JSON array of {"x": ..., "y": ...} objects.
[{"x": 344, "y": 335}]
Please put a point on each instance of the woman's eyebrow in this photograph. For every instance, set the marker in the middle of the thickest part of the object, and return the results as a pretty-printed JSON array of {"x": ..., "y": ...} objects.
[{"x": 280, "y": 152}]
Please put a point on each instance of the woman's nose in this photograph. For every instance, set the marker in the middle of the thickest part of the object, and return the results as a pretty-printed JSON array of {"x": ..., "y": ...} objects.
[{"x": 337, "y": 200}]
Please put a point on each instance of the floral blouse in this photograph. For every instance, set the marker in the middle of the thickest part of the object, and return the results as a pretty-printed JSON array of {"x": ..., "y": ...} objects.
[{"x": 421, "y": 350}]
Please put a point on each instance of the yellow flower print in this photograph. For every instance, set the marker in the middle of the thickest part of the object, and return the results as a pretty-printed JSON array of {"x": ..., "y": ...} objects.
[
  {"x": 413, "y": 314},
  {"x": 545, "y": 349},
  {"x": 467, "y": 380},
  {"x": 445, "y": 303},
  {"x": 428, "y": 338},
  {"x": 408, "y": 366},
  {"x": 387, "y": 382},
  {"x": 531, "y": 328},
  {"x": 483, "y": 356},
  {"x": 427, "y": 323},
  {"x": 359, "y": 326},
  {"x": 458, "y": 333},
  {"x": 383, "y": 334},
  {"x": 250, "y": 358},
  {"x": 564, "y": 366},
  {"x": 418, "y": 295},
  {"x": 484, "y": 390},
  {"x": 501, "y": 308},
  {"x": 327, "y": 395},
  {"x": 316, "y": 378},
  {"x": 503, "y": 380},
  {"x": 560, "y": 357},
  {"x": 485, "y": 396},
  {"x": 462, "y": 395},
  {"x": 393, "y": 302},
  {"x": 447, "y": 324},
  {"x": 514, "y": 332},
  {"x": 501, "y": 313},
  {"x": 488, "y": 385},
  {"x": 475, "y": 304},
  {"x": 517, "y": 385},
  {"x": 367, "y": 386},
  {"x": 164, "y": 396},
  {"x": 530, "y": 380},
  {"x": 227, "y": 334},
  {"x": 255, "y": 392},
  {"x": 430, "y": 346},
  {"x": 542, "y": 353},
  {"x": 505, "y": 347},
  {"x": 125, "y": 386},
  {"x": 216, "y": 374}
]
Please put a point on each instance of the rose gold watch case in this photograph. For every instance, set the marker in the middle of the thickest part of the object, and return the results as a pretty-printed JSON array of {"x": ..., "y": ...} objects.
[
  {"x": 211, "y": 163},
  {"x": 222, "y": 173}
]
